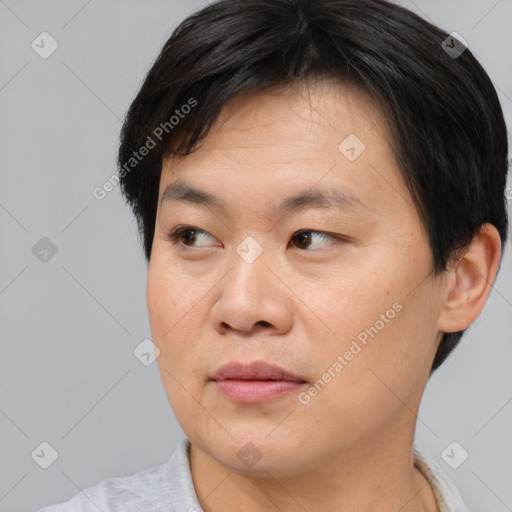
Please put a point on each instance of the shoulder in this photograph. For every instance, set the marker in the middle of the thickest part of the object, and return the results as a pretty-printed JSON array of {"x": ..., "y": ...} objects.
[
  {"x": 152, "y": 489},
  {"x": 447, "y": 495},
  {"x": 140, "y": 491}
]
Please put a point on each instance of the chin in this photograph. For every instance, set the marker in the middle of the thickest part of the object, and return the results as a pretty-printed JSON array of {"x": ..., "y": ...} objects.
[{"x": 257, "y": 456}]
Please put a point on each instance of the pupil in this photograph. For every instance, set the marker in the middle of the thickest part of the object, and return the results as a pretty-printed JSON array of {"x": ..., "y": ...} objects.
[
  {"x": 188, "y": 235},
  {"x": 304, "y": 238}
]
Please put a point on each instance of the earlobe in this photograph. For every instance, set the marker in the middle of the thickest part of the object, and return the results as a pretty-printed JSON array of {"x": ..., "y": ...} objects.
[{"x": 469, "y": 283}]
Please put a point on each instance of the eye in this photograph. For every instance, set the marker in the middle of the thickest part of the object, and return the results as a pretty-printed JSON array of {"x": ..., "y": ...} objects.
[
  {"x": 187, "y": 235},
  {"x": 306, "y": 236},
  {"x": 304, "y": 239}
]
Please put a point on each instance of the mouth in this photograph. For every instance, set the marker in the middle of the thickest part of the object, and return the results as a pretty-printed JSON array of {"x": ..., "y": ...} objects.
[{"x": 256, "y": 381}]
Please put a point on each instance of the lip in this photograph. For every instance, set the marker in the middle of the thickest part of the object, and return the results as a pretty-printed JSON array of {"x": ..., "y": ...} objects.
[
  {"x": 255, "y": 370},
  {"x": 256, "y": 381}
]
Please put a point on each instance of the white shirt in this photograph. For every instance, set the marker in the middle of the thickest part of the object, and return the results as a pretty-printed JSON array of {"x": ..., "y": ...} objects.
[{"x": 169, "y": 488}]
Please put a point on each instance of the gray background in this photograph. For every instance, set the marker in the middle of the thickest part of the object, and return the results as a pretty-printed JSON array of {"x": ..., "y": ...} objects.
[{"x": 69, "y": 326}]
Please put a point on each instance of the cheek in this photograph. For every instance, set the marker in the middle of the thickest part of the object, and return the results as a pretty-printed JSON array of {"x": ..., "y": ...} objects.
[
  {"x": 165, "y": 309},
  {"x": 172, "y": 323},
  {"x": 383, "y": 380},
  {"x": 176, "y": 317},
  {"x": 169, "y": 295},
  {"x": 386, "y": 339}
]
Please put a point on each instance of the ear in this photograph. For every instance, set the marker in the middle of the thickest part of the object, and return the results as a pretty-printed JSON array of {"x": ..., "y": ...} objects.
[{"x": 468, "y": 284}]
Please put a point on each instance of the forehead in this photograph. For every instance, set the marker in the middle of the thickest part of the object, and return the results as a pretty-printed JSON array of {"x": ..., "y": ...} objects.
[
  {"x": 287, "y": 139},
  {"x": 305, "y": 109}
]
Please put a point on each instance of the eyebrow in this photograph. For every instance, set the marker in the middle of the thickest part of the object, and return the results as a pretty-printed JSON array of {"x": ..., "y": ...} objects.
[{"x": 326, "y": 199}]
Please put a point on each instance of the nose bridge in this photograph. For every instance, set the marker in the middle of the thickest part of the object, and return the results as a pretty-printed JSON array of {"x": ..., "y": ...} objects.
[
  {"x": 249, "y": 250},
  {"x": 249, "y": 261}
]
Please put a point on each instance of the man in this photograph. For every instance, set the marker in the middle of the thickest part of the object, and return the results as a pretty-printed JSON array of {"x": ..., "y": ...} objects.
[{"x": 319, "y": 188}]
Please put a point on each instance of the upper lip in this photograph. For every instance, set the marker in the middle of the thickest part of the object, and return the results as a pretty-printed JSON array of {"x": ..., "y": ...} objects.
[{"x": 255, "y": 370}]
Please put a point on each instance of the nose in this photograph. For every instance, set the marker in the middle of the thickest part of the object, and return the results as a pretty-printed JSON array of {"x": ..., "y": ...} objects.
[{"x": 252, "y": 297}]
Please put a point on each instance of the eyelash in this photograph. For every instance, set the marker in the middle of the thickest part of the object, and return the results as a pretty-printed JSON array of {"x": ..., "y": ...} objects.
[{"x": 175, "y": 235}]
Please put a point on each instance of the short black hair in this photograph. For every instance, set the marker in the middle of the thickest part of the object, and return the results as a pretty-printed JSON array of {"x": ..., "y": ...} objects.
[{"x": 445, "y": 118}]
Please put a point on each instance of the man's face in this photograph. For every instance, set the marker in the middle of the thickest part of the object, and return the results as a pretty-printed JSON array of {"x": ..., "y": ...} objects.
[{"x": 339, "y": 295}]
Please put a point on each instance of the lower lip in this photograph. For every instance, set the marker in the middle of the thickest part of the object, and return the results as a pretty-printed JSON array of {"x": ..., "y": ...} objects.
[{"x": 256, "y": 390}]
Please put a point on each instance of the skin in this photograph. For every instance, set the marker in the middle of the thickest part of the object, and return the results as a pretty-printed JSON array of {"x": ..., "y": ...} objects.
[{"x": 300, "y": 305}]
